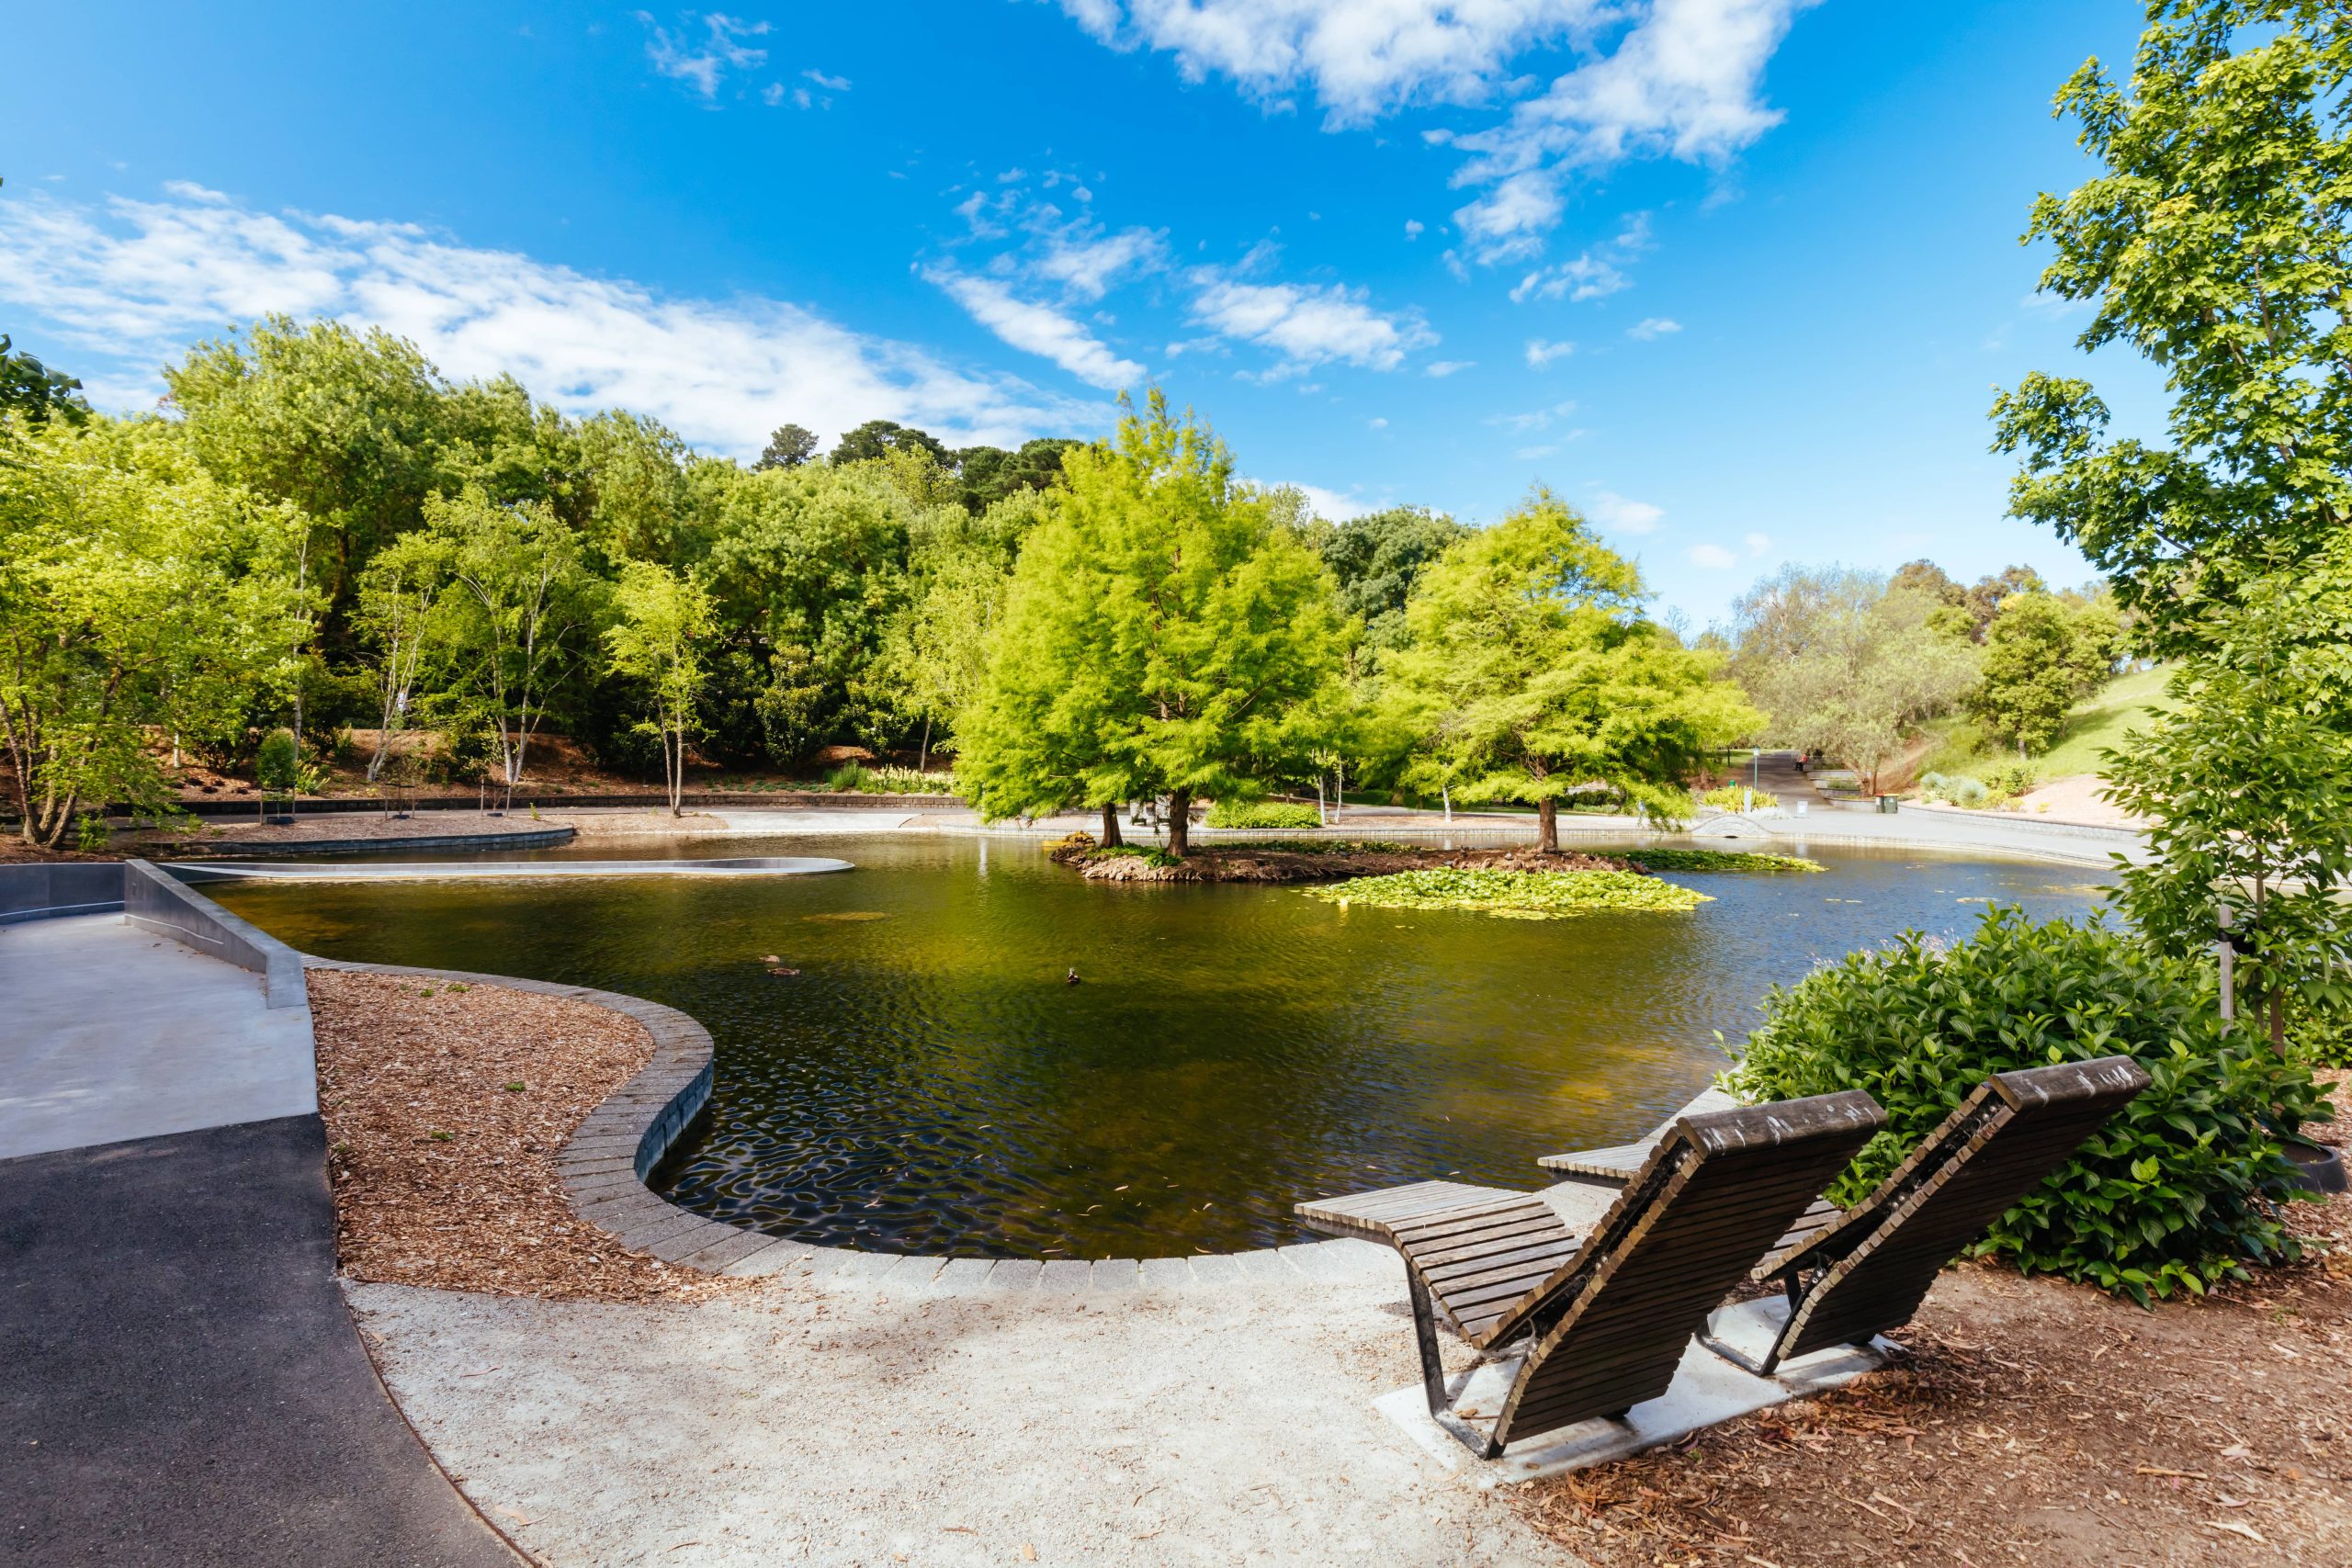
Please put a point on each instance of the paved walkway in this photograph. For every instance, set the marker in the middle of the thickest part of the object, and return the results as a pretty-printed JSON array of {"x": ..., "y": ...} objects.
[{"x": 180, "y": 1381}]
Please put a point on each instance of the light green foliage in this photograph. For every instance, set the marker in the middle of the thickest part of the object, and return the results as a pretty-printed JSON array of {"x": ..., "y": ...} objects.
[
  {"x": 1717, "y": 859},
  {"x": 864, "y": 780},
  {"x": 1516, "y": 894},
  {"x": 139, "y": 599},
  {"x": 1740, "y": 797},
  {"x": 2041, "y": 657},
  {"x": 934, "y": 650},
  {"x": 2217, "y": 242},
  {"x": 521, "y": 610},
  {"x": 1162, "y": 635},
  {"x": 2249, "y": 783},
  {"x": 644, "y": 507},
  {"x": 2180, "y": 1189},
  {"x": 656, "y": 641},
  {"x": 1847, "y": 664},
  {"x": 1263, "y": 814},
  {"x": 1533, "y": 675},
  {"x": 1955, "y": 789},
  {"x": 2094, "y": 726}
]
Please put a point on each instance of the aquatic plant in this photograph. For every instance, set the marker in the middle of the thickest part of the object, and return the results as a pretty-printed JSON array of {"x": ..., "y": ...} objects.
[{"x": 1515, "y": 895}]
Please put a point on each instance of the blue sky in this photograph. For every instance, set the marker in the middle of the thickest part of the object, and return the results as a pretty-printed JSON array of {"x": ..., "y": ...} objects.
[{"x": 1736, "y": 276}]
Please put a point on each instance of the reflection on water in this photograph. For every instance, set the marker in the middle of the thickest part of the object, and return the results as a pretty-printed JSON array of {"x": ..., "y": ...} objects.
[{"x": 929, "y": 1081}]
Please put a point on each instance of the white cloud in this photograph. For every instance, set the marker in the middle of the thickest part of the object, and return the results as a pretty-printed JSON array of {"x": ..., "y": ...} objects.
[
  {"x": 1363, "y": 58},
  {"x": 1653, "y": 78},
  {"x": 1618, "y": 515},
  {"x": 1086, "y": 262},
  {"x": 1327, "y": 503},
  {"x": 1529, "y": 453},
  {"x": 1541, "y": 419},
  {"x": 1650, "y": 327},
  {"x": 137, "y": 281},
  {"x": 831, "y": 83},
  {"x": 1758, "y": 543},
  {"x": 1442, "y": 368},
  {"x": 773, "y": 95},
  {"x": 722, "y": 47},
  {"x": 1594, "y": 274},
  {"x": 1376, "y": 423},
  {"x": 1711, "y": 558},
  {"x": 1037, "y": 329},
  {"x": 1307, "y": 325},
  {"x": 1541, "y": 354},
  {"x": 1413, "y": 227}
]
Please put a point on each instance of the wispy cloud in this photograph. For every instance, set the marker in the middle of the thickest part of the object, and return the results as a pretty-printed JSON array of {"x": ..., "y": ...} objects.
[
  {"x": 1680, "y": 79},
  {"x": 1620, "y": 516},
  {"x": 1541, "y": 352},
  {"x": 1413, "y": 227},
  {"x": 1037, "y": 329},
  {"x": 1594, "y": 274},
  {"x": 1650, "y": 327},
  {"x": 1442, "y": 368},
  {"x": 705, "y": 63},
  {"x": 134, "y": 282},
  {"x": 1538, "y": 418},
  {"x": 831, "y": 83},
  {"x": 1306, "y": 325},
  {"x": 1711, "y": 558}
]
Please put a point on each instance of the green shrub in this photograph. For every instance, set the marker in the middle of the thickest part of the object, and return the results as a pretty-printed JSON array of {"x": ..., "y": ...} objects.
[
  {"x": 856, "y": 778},
  {"x": 1263, "y": 814},
  {"x": 1150, "y": 855},
  {"x": 279, "y": 761},
  {"x": 2175, "y": 1192},
  {"x": 1515, "y": 895},
  {"x": 1324, "y": 847},
  {"x": 2009, "y": 779},
  {"x": 91, "y": 834},
  {"x": 1955, "y": 788},
  {"x": 1733, "y": 797}
]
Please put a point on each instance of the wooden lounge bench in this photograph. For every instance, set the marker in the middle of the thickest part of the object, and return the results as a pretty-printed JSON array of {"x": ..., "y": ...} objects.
[
  {"x": 1859, "y": 1273},
  {"x": 1612, "y": 1165},
  {"x": 1606, "y": 1318}
]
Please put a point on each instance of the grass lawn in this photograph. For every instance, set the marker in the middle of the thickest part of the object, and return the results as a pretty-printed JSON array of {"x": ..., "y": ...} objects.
[{"x": 2097, "y": 724}]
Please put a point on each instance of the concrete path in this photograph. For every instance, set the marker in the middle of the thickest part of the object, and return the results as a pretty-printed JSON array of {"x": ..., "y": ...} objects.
[
  {"x": 853, "y": 1423},
  {"x": 180, "y": 1381},
  {"x": 112, "y": 1033}
]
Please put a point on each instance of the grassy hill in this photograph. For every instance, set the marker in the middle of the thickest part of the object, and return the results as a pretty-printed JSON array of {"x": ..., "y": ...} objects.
[{"x": 2097, "y": 724}]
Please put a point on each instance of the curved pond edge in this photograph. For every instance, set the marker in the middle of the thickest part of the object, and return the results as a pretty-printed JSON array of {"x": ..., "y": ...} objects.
[
  {"x": 505, "y": 871},
  {"x": 526, "y": 839},
  {"x": 604, "y": 1163}
]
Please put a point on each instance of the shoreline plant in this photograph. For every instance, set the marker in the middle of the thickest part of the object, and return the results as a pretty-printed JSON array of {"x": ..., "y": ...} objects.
[{"x": 1516, "y": 894}]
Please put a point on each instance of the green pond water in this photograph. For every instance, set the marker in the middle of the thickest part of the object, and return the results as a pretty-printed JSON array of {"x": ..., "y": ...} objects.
[{"x": 929, "y": 1082}]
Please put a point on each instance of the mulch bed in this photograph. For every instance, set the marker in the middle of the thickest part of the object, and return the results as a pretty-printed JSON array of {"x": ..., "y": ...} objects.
[
  {"x": 445, "y": 1106},
  {"x": 2034, "y": 1422}
]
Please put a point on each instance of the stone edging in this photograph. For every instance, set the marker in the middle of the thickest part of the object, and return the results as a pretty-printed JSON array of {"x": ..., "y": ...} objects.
[
  {"x": 528, "y": 839},
  {"x": 606, "y": 1161}
]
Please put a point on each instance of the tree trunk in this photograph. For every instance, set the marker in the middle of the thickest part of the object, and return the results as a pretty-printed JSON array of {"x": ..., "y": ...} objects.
[
  {"x": 1180, "y": 822},
  {"x": 1445, "y": 794},
  {"x": 1547, "y": 826},
  {"x": 1110, "y": 825},
  {"x": 1340, "y": 792},
  {"x": 922, "y": 756}
]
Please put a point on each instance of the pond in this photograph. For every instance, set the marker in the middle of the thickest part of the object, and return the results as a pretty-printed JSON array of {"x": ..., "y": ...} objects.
[{"x": 929, "y": 1082}]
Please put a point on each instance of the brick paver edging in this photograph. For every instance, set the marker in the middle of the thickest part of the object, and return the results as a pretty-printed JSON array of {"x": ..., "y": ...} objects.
[{"x": 606, "y": 1161}]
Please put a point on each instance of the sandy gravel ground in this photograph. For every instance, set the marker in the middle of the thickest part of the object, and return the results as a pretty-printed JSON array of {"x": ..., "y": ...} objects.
[
  {"x": 2076, "y": 799},
  {"x": 804, "y": 1423}
]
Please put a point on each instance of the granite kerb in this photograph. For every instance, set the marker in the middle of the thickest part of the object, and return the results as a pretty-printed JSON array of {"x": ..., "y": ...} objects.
[{"x": 607, "y": 1161}]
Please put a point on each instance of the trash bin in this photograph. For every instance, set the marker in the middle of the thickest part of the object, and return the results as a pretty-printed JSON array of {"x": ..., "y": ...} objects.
[{"x": 1886, "y": 804}]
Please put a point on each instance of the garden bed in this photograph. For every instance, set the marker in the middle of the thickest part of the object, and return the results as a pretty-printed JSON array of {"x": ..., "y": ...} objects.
[{"x": 445, "y": 1105}]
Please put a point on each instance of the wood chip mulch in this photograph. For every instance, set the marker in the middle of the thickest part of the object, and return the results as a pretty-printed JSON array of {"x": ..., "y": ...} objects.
[
  {"x": 445, "y": 1106},
  {"x": 2033, "y": 1422}
]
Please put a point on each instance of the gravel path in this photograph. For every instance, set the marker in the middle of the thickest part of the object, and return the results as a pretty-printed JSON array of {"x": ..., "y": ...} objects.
[{"x": 807, "y": 1422}]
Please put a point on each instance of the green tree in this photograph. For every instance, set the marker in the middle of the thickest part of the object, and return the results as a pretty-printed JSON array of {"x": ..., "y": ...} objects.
[
  {"x": 987, "y": 475},
  {"x": 879, "y": 437},
  {"x": 521, "y": 610},
  {"x": 643, "y": 507},
  {"x": 2217, "y": 242},
  {"x": 400, "y": 616},
  {"x": 34, "y": 392},
  {"x": 662, "y": 620},
  {"x": 1846, "y": 665},
  {"x": 2041, "y": 657},
  {"x": 139, "y": 599},
  {"x": 1162, "y": 635},
  {"x": 1535, "y": 677},
  {"x": 2248, "y": 785},
  {"x": 1378, "y": 558},
  {"x": 789, "y": 445}
]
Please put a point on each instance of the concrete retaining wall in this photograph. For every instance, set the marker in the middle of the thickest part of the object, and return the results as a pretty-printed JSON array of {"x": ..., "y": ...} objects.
[
  {"x": 154, "y": 900},
  {"x": 45, "y": 891}
]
